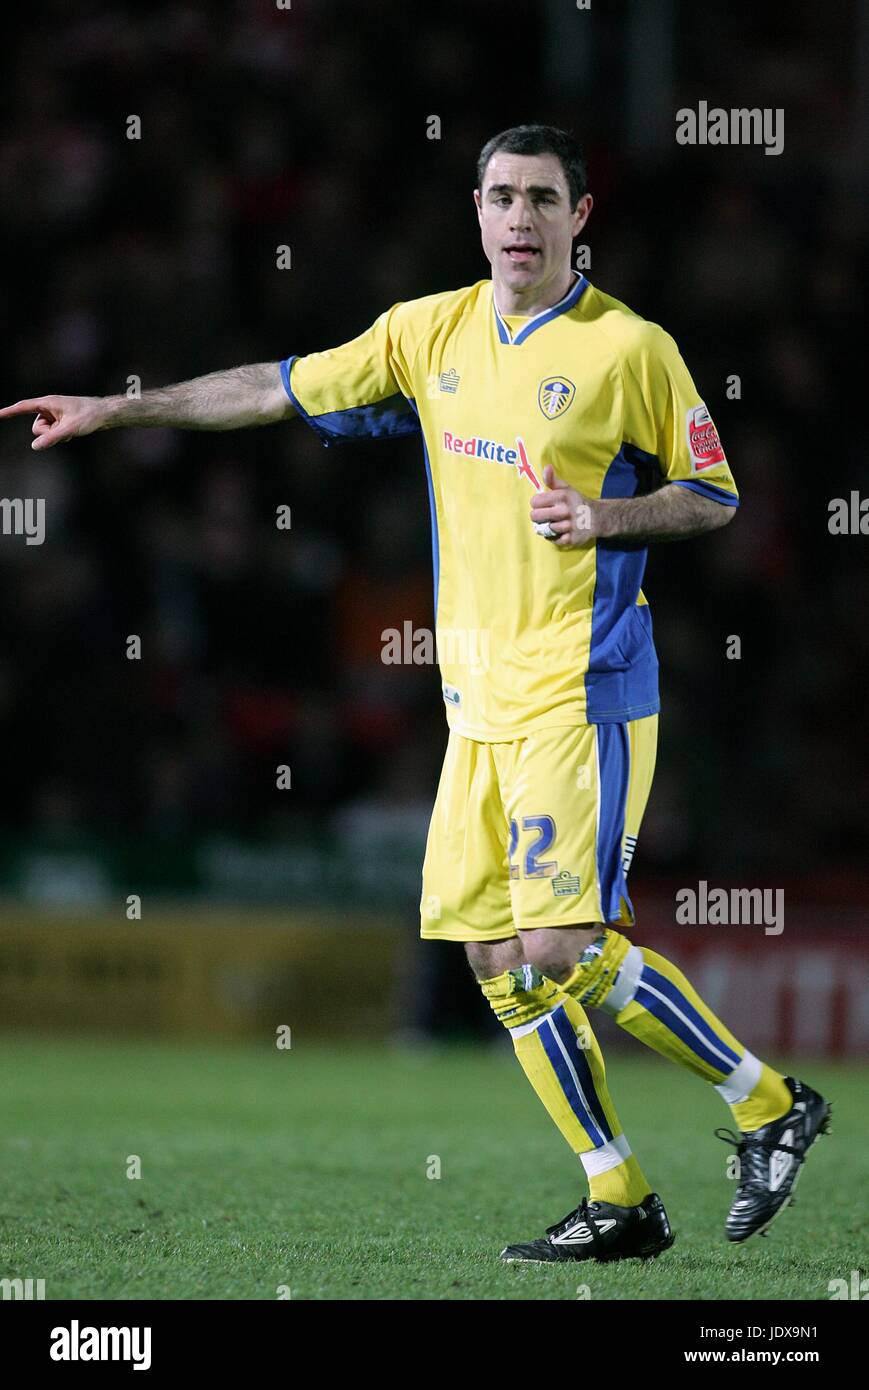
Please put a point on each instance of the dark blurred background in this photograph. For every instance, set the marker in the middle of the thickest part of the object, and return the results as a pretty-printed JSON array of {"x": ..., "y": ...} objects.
[{"x": 156, "y": 257}]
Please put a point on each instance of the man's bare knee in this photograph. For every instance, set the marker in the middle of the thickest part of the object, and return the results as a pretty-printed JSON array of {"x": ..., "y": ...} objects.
[
  {"x": 490, "y": 958},
  {"x": 555, "y": 950}
]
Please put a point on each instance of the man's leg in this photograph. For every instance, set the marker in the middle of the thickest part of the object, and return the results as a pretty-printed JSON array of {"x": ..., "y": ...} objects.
[
  {"x": 621, "y": 1218},
  {"x": 653, "y": 1000},
  {"x": 779, "y": 1117},
  {"x": 556, "y": 1048}
]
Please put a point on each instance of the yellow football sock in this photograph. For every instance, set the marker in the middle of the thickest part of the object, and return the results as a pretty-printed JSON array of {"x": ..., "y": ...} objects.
[
  {"x": 651, "y": 998},
  {"x": 559, "y": 1054},
  {"x": 768, "y": 1100}
]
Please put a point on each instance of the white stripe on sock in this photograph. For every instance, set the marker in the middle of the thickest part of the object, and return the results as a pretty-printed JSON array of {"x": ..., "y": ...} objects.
[
  {"x": 584, "y": 1101},
  {"x": 692, "y": 1028},
  {"x": 522, "y": 1028},
  {"x": 607, "y": 1156},
  {"x": 626, "y": 982},
  {"x": 741, "y": 1081}
]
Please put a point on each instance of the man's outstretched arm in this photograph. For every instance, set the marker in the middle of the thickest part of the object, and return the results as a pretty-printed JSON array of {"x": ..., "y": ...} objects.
[{"x": 231, "y": 400}]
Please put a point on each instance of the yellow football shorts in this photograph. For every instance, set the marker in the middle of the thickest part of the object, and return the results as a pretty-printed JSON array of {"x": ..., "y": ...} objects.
[{"x": 537, "y": 832}]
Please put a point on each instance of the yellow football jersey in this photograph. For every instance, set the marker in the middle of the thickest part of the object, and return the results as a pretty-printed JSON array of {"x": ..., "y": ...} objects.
[{"x": 528, "y": 636}]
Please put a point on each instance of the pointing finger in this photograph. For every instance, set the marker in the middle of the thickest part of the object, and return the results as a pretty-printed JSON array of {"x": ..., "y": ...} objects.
[{"x": 23, "y": 407}]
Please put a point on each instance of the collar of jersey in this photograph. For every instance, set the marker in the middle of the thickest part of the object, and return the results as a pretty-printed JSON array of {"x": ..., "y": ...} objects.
[{"x": 572, "y": 297}]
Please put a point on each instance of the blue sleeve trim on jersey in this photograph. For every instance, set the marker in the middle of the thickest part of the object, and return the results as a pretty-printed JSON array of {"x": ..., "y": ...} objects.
[
  {"x": 715, "y": 494},
  {"x": 286, "y": 368},
  {"x": 387, "y": 419},
  {"x": 285, "y": 378}
]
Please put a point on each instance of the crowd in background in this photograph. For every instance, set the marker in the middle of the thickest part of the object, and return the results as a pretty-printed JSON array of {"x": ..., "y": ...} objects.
[{"x": 156, "y": 258}]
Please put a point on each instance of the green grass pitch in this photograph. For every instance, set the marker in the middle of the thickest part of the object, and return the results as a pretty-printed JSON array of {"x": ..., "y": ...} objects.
[{"x": 307, "y": 1169}]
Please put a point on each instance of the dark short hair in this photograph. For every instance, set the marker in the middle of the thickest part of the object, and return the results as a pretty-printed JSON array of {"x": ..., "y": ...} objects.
[{"x": 539, "y": 139}]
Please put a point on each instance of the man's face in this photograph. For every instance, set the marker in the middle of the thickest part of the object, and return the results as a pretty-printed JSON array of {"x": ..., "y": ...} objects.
[{"x": 526, "y": 221}]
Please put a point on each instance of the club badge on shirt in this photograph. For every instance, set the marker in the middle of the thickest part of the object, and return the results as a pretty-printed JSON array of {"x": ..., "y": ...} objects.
[{"x": 554, "y": 395}]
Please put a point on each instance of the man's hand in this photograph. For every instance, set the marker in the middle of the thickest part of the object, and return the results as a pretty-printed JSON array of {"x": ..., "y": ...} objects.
[
  {"x": 59, "y": 418},
  {"x": 671, "y": 513},
  {"x": 569, "y": 515}
]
